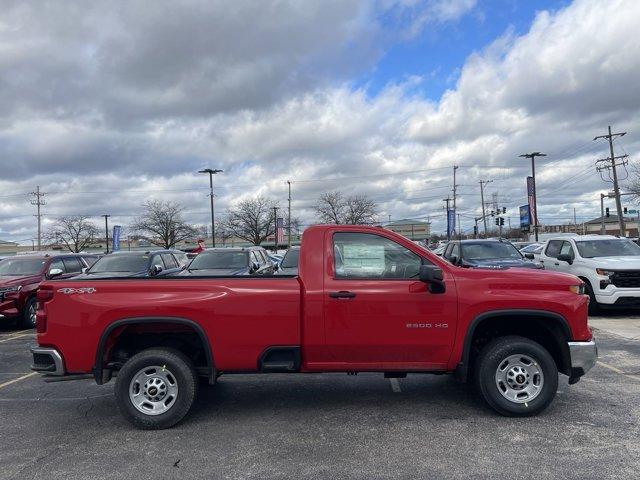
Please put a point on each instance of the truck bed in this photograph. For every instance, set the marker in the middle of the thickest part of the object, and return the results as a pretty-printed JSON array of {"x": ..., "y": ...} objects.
[{"x": 241, "y": 316}]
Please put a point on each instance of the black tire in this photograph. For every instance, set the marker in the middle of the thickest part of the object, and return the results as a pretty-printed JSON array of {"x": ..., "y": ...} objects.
[
  {"x": 27, "y": 318},
  {"x": 494, "y": 354},
  {"x": 181, "y": 370},
  {"x": 594, "y": 306}
]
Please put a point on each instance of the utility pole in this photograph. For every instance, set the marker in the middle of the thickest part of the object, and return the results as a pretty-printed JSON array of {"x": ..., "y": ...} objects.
[
  {"x": 612, "y": 159},
  {"x": 484, "y": 217},
  {"x": 602, "y": 228},
  {"x": 275, "y": 229},
  {"x": 289, "y": 218},
  {"x": 533, "y": 156},
  {"x": 447, "y": 200},
  {"x": 211, "y": 173},
  {"x": 575, "y": 222},
  {"x": 38, "y": 201},
  {"x": 106, "y": 230},
  {"x": 455, "y": 188},
  {"x": 459, "y": 228}
]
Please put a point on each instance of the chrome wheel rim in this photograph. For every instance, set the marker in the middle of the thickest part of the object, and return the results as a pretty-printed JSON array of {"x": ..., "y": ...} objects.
[
  {"x": 32, "y": 313},
  {"x": 519, "y": 378},
  {"x": 153, "y": 390}
]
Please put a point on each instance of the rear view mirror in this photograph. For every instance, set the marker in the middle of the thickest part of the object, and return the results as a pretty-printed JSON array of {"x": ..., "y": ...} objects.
[
  {"x": 55, "y": 272},
  {"x": 530, "y": 256},
  {"x": 155, "y": 270},
  {"x": 564, "y": 257},
  {"x": 433, "y": 276}
]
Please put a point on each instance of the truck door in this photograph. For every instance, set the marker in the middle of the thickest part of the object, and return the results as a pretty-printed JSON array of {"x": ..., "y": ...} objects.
[
  {"x": 377, "y": 312},
  {"x": 549, "y": 257}
]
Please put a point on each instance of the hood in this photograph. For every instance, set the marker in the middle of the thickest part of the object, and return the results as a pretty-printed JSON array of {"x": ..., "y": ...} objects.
[
  {"x": 215, "y": 272},
  {"x": 10, "y": 280},
  {"x": 615, "y": 263},
  {"x": 501, "y": 263}
]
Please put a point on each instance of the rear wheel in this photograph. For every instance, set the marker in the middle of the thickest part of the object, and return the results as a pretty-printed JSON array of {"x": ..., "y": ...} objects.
[
  {"x": 156, "y": 388},
  {"x": 28, "y": 318},
  {"x": 516, "y": 376}
]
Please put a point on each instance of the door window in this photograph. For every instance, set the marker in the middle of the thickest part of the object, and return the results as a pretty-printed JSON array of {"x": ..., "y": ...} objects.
[
  {"x": 72, "y": 264},
  {"x": 567, "y": 249},
  {"x": 169, "y": 261},
  {"x": 553, "y": 249},
  {"x": 157, "y": 260},
  {"x": 370, "y": 256}
]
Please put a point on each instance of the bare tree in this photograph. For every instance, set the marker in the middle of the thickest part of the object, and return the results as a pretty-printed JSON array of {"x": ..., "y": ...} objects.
[
  {"x": 162, "y": 224},
  {"x": 251, "y": 220},
  {"x": 74, "y": 232},
  {"x": 333, "y": 207}
]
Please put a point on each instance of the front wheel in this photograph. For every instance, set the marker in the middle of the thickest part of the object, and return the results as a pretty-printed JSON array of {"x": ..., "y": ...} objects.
[
  {"x": 156, "y": 388},
  {"x": 516, "y": 376},
  {"x": 28, "y": 319},
  {"x": 594, "y": 306}
]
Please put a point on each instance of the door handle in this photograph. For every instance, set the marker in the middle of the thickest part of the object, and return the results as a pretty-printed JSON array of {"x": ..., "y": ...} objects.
[{"x": 342, "y": 294}]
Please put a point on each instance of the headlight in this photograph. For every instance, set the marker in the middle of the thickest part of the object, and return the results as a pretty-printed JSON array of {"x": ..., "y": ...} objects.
[
  {"x": 606, "y": 273},
  {"x": 577, "y": 289},
  {"x": 11, "y": 289}
]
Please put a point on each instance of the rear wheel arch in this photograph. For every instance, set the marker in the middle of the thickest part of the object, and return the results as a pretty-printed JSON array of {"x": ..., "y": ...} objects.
[
  {"x": 550, "y": 329},
  {"x": 115, "y": 330}
]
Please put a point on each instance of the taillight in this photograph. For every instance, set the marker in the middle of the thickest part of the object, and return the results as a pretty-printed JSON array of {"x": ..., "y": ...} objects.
[{"x": 44, "y": 295}]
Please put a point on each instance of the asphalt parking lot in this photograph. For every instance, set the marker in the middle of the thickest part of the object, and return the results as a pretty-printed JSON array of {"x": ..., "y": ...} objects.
[{"x": 323, "y": 426}]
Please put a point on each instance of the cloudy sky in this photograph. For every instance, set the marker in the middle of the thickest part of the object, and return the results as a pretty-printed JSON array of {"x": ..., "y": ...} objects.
[{"x": 107, "y": 104}]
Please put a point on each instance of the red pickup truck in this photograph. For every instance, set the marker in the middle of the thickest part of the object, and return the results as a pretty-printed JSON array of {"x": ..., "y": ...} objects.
[{"x": 365, "y": 300}]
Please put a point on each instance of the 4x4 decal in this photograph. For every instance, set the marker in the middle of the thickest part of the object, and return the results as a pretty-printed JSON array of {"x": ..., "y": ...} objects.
[{"x": 68, "y": 291}]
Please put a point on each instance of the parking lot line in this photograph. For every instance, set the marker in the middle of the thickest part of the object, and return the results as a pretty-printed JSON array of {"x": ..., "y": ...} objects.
[
  {"x": 617, "y": 370},
  {"x": 395, "y": 385},
  {"x": 6, "y": 384},
  {"x": 16, "y": 336},
  {"x": 17, "y": 332}
]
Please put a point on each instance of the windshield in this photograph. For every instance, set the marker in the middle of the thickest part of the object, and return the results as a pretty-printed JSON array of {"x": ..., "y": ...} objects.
[
  {"x": 290, "y": 260},
  {"x": 213, "y": 260},
  {"x": 120, "y": 263},
  {"x": 489, "y": 250},
  {"x": 617, "y": 247},
  {"x": 21, "y": 266}
]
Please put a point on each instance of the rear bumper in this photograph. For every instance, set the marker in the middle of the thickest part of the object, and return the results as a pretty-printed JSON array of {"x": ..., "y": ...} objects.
[
  {"x": 583, "y": 357},
  {"x": 47, "y": 361}
]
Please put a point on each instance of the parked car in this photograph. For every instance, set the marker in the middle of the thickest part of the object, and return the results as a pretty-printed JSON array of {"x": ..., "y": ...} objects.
[
  {"x": 21, "y": 275},
  {"x": 609, "y": 266},
  {"x": 135, "y": 264},
  {"x": 439, "y": 250},
  {"x": 486, "y": 254},
  {"x": 365, "y": 299},
  {"x": 275, "y": 258},
  {"x": 289, "y": 264},
  {"x": 534, "y": 248},
  {"x": 231, "y": 261}
]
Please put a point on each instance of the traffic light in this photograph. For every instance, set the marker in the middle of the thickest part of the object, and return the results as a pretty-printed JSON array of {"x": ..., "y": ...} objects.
[
  {"x": 606, "y": 212},
  {"x": 497, "y": 221},
  {"x": 502, "y": 221},
  {"x": 504, "y": 209},
  {"x": 625, "y": 210},
  {"x": 475, "y": 230}
]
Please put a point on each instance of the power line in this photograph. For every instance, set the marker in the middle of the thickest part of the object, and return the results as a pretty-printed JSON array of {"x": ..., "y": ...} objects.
[{"x": 602, "y": 165}]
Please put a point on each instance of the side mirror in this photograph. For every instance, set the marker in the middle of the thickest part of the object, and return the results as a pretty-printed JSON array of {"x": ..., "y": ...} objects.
[
  {"x": 84, "y": 270},
  {"x": 255, "y": 267},
  {"x": 453, "y": 259},
  {"x": 276, "y": 267},
  {"x": 155, "y": 270},
  {"x": 564, "y": 257},
  {"x": 530, "y": 256},
  {"x": 434, "y": 277},
  {"x": 55, "y": 272}
]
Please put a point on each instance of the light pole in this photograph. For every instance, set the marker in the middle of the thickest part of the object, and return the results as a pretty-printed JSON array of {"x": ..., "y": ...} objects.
[
  {"x": 211, "y": 173},
  {"x": 533, "y": 156}
]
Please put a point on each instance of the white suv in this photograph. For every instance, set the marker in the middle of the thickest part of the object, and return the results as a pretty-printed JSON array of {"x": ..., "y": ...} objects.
[{"x": 609, "y": 266}]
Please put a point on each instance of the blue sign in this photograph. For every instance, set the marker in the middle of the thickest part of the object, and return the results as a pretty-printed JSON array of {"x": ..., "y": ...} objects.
[
  {"x": 525, "y": 217},
  {"x": 116, "y": 238},
  {"x": 451, "y": 223}
]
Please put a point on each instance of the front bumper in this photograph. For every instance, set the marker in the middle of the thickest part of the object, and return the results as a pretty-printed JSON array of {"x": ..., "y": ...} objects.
[
  {"x": 583, "y": 357},
  {"x": 47, "y": 361},
  {"x": 614, "y": 295}
]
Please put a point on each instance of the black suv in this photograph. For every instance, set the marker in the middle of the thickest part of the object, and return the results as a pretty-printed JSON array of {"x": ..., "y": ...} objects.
[
  {"x": 136, "y": 264},
  {"x": 231, "y": 261},
  {"x": 486, "y": 254}
]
